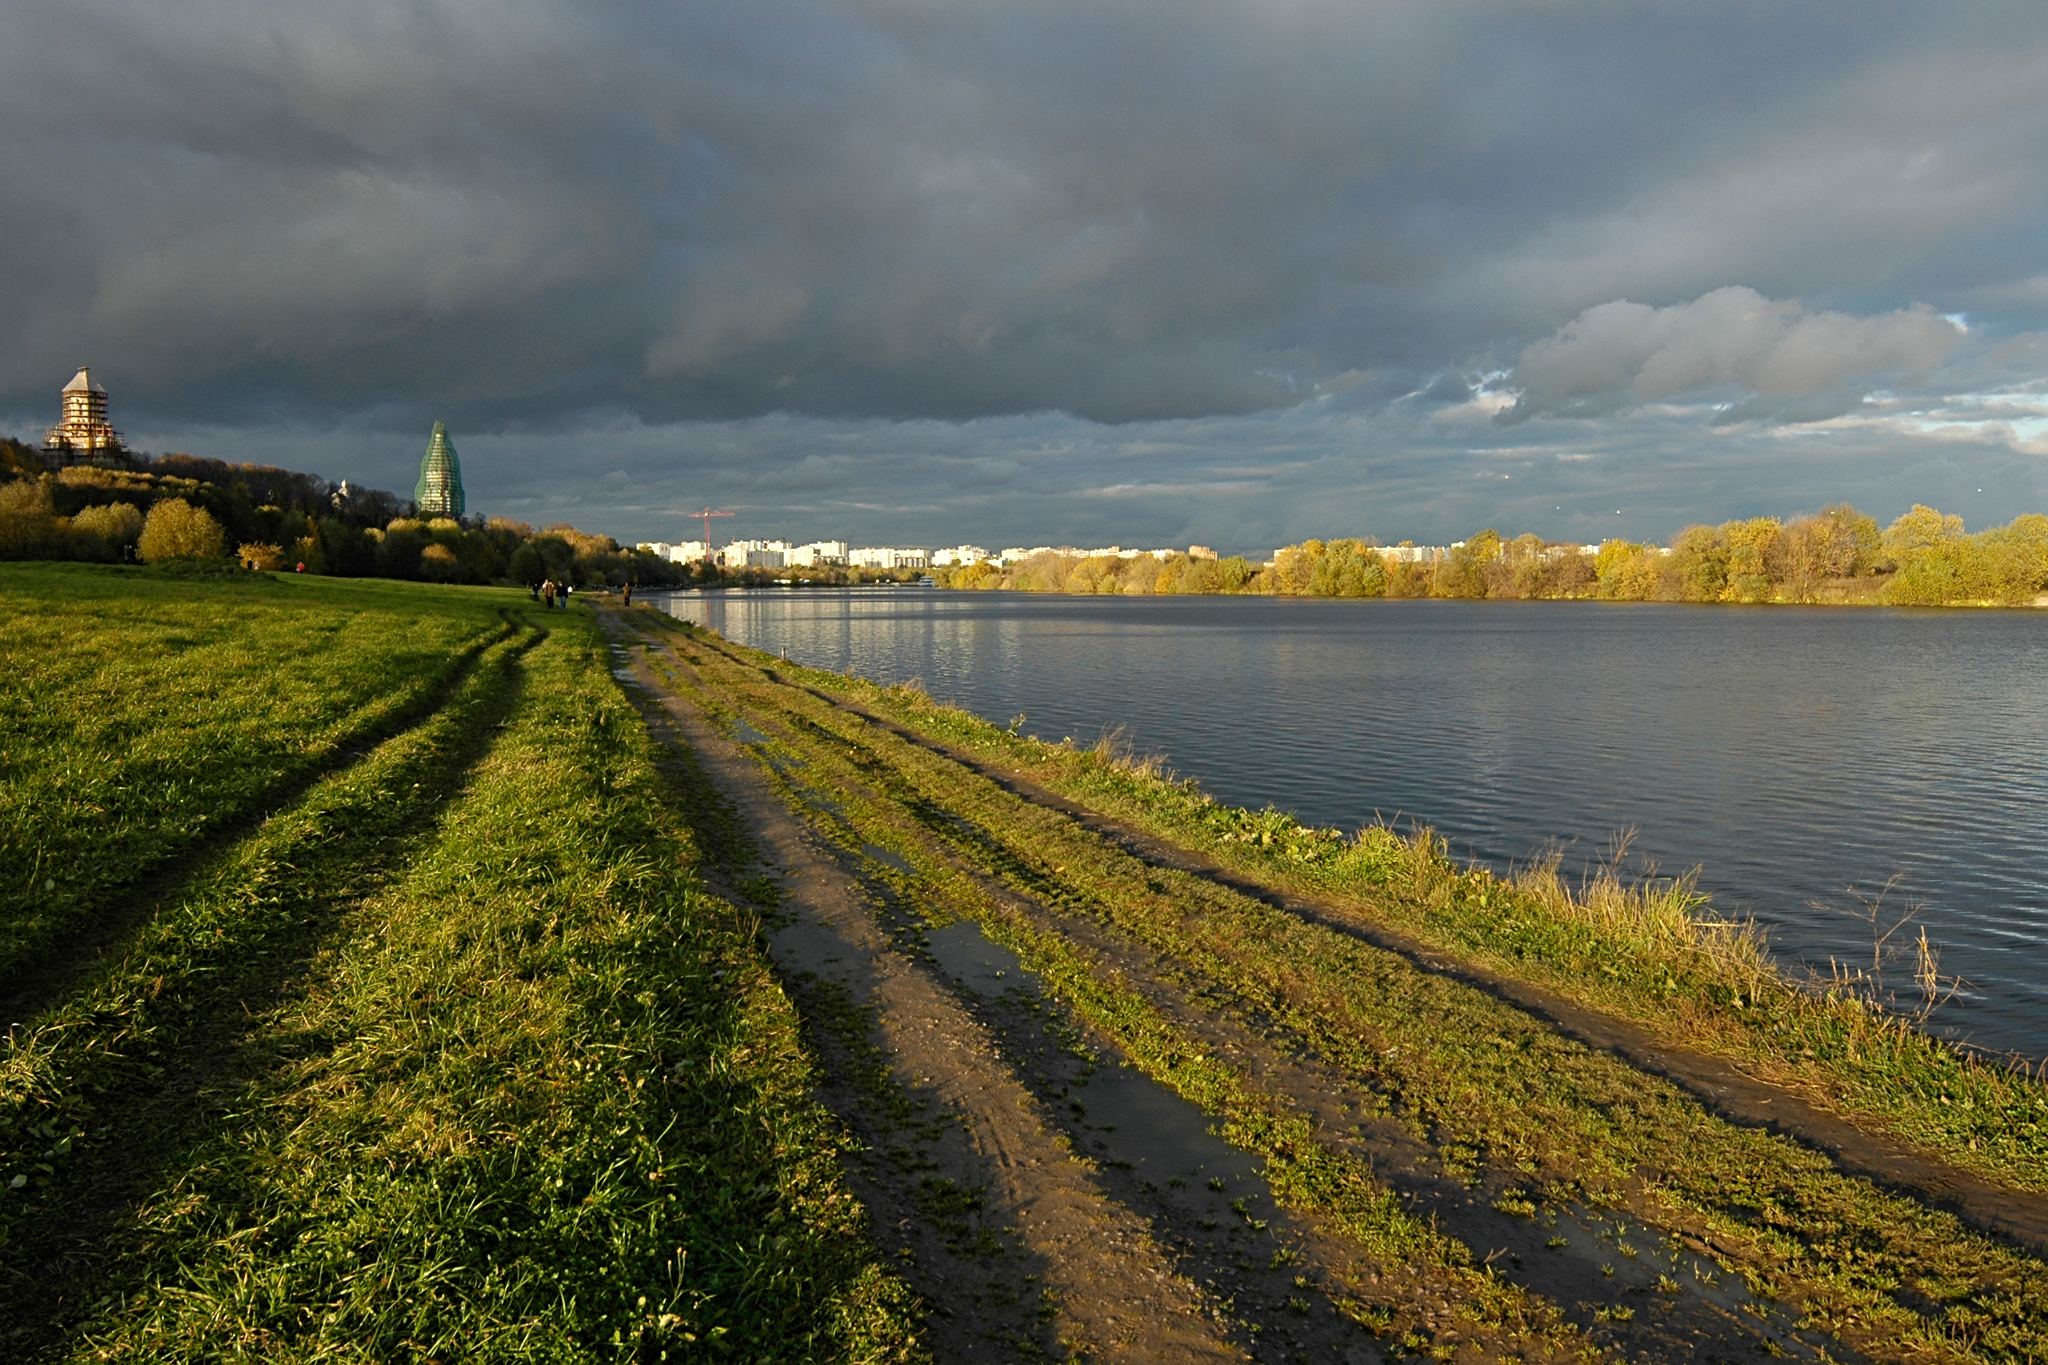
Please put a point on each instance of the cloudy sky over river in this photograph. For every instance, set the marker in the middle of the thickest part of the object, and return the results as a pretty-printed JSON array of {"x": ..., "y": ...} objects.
[{"x": 1232, "y": 273}]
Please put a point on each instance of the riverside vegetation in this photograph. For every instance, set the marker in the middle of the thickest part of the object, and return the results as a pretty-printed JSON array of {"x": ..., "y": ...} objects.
[
  {"x": 1418, "y": 1125},
  {"x": 364, "y": 1003},
  {"x": 381, "y": 987},
  {"x": 1923, "y": 558}
]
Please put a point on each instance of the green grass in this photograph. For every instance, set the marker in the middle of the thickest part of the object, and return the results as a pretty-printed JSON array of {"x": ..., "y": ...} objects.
[
  {"x": 455, "y": 1058},
  {"x": 1535, "y": 1122},
  {"x": 141, "y": 712}
]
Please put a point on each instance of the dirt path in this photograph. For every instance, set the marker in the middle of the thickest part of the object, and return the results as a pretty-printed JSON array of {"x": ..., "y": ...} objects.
[
  {"x": 1009, "y": 1236},
  {"x": 2019, "y": 1216}
]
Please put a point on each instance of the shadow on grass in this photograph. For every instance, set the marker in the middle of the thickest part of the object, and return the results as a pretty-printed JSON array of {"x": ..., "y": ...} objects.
[
  {"x": 120, "y": 1133},
  {"x": 100, "y": 933}
]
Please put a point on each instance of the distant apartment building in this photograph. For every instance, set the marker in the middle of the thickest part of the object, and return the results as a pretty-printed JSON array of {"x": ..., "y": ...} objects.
[
  {"x": 959, "y": 556},
  {"x": 1416, "y": 554},
  {"x": 683, "y": 552},
  {"x": 755, "y": 554},
  {"x": 819, "y": 554},
  {"x": 1200, "y": 552},
  {"x": 883, "y": 557}
]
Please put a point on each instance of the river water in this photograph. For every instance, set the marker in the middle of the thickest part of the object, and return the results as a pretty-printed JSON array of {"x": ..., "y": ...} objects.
[{"x": 1799, "y": 758}]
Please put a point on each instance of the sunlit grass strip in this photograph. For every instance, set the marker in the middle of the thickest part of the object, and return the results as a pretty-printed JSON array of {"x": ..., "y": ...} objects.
[
  {"x": 138, "y": 714},
  {"x": 542, "y": 1101},
  {"x": 1649, "y": 952},
  {"x": 1478, "y": 1078}
]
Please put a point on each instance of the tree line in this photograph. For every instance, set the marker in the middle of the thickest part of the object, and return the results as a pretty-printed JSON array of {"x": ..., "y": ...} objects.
[
  {"x": 1840, "y": 555},
  {"x": 179, "y": 507}
]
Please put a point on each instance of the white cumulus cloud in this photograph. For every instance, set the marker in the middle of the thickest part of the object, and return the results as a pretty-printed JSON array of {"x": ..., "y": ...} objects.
[{"x": 1789, "y": 362}]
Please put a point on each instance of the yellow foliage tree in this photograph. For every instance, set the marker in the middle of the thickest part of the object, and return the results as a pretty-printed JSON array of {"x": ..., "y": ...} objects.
[{"x": 175, "y": 529}]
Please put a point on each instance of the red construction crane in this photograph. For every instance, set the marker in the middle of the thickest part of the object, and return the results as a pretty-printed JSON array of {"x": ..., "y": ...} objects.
[{"x": 708, "y": 514}]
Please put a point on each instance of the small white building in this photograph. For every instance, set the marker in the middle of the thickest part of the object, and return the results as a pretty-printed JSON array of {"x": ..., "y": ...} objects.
[{"x": 958, "y": 556}]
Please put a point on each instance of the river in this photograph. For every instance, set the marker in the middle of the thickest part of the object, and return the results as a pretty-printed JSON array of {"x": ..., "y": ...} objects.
[{"x": 1799, "y": 758}]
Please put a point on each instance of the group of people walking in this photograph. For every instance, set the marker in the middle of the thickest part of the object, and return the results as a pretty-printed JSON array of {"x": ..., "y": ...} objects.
[{"x": 551, "y": 594}]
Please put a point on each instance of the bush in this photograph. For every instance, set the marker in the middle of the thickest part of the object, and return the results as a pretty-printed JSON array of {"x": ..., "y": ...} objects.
[
  {"x": 268, "y": 558},
  {"x": 438, "y": 564},
  {"x": 104, "y": 529},
  {"x": 175, "y": 529},
  {"x": 28, "y": 520}
]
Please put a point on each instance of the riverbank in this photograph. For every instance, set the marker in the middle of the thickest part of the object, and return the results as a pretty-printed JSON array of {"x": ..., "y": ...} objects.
[{"x": 1479, "y": 1103}]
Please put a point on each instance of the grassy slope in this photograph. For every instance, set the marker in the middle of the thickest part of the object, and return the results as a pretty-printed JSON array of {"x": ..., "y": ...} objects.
[
  {"x": 456, "y": 1058},
  {"x": 138, "y": 712}
]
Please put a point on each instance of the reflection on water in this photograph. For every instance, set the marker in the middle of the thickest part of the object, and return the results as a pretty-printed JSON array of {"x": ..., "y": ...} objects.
[{"x": 1788, "y": 753}]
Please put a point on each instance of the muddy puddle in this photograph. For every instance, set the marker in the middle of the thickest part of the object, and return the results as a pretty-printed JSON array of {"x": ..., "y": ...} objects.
[
  {"x": 1125, "y": 1115},
  {"x": 887, "y": 858},
  {"x": 1644, "y": 1266}
]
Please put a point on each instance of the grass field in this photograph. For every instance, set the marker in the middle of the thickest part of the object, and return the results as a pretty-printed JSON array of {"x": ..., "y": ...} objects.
[
  {"x": 1494, "y": 1106},
  {"x": 429, "y": 1044}
]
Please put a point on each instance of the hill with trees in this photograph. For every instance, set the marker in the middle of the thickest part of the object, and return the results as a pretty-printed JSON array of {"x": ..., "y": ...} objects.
[{"x": 138, "y": 507}]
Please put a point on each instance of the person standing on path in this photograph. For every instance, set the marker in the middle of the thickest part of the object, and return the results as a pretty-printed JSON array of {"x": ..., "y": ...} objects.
[{"x": 626, "y": 595}]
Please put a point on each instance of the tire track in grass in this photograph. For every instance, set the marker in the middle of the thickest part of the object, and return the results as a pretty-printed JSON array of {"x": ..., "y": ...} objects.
[
  {"x": 540, "y": 1100},
  {"x": 38, "y": 964},
  {"x": 1075, "y": 1273},
  {"x": 99, "y": 1092}
]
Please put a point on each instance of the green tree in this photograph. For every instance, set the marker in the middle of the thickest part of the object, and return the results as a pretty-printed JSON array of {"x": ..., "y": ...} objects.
[
  {"x": 103, "y": 530},
  {"x": 175, "y": 529},
  {"x": 1919, "y": 531},
  {"x": 1699, "y": 563},
  {"x": 28, "y": 519},
  {"x": 527, "y": 566},
  {"x": 1750, "y": 545},
  {"x": 1461, "y": 574},
  {"x": 1348, "y": 568}
]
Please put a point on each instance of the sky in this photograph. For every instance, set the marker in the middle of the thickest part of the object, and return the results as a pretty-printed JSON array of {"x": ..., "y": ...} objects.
[{"x": 906, "y": 271}]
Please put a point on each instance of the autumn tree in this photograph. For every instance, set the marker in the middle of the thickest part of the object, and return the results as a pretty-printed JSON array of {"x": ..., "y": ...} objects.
[{"x": 175, "y": 529}]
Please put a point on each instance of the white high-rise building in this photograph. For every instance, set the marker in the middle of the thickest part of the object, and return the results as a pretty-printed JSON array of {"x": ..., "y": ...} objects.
[{"x": 818, "y": 554}]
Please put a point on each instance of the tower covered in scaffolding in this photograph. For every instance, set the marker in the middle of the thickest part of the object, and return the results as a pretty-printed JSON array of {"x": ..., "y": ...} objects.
[
  {"x": 84, "y": 430},
  {"x": 440, "y": 488}
]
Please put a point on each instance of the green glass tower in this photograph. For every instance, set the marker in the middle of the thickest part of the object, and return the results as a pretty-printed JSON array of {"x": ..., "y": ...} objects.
[{"x": 440, "y": 490}]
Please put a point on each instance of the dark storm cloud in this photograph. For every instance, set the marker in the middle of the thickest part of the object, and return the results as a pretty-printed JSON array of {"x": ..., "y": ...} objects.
[{"x": 586, "y": 230}]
